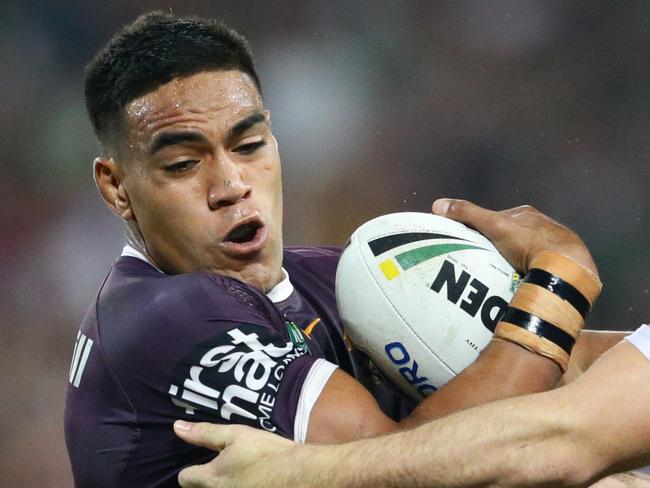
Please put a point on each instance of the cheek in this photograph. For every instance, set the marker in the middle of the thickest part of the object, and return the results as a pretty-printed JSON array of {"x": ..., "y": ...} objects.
[
  {"x": 265, "y": 176},
  {"x": 274, "y": 172},
  {"x": 164, "y": 208},
  {"x": 273, "y": 181}
]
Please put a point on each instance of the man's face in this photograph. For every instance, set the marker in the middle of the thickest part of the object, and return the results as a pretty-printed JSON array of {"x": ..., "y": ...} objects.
[{"x": 203, "y": 178}]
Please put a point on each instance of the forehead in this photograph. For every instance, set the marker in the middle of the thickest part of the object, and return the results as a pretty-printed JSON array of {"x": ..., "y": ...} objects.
[{"x": 212, "y": 96}]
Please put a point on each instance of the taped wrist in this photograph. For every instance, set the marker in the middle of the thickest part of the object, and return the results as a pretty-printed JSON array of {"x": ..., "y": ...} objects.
[{"x": 549, "y": 308}]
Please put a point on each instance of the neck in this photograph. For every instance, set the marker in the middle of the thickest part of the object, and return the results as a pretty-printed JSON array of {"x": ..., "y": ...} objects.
[{"x": 134, "y": 239}]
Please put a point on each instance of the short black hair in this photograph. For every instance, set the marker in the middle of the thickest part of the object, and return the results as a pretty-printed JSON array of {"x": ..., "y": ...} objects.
[{"x": 151, "y": 51}]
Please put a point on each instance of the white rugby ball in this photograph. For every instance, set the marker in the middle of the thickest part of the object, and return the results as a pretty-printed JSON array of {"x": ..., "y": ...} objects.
[{"x": 421, "y": 294}]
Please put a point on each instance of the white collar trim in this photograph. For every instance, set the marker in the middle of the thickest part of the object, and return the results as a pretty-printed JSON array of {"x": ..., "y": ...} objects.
[
  {"x": 282, "y": 290},
  {"x": 279, "y": 293},
  {"x": 131, "y": 251}
]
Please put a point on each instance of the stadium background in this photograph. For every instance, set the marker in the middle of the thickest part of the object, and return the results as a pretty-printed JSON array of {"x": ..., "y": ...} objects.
[{"x": 378, "y": 106}]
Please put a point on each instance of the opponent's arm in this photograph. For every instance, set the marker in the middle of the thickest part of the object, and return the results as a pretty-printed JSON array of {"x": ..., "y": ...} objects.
[
  {"x": 346, "y": 411},
  {"x": 510, "y": 367},
  {"x": 570, "y": 436},
  {"x": 566, "y": 437},
  {"x": 591, "y": 344}
]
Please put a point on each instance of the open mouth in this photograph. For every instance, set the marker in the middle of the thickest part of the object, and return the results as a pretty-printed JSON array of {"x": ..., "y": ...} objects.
[{"x": 243, "y": 233}]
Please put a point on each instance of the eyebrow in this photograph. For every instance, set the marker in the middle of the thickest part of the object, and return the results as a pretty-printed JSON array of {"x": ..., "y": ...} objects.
[
  {"x": 246, "y": 123},
  {"x": 166, "y": 139},
  {"x": 175, "y": 138}
]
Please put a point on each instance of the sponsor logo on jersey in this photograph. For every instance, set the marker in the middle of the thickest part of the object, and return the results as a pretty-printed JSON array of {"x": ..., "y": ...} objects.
[{"x": 235, "y": 376}]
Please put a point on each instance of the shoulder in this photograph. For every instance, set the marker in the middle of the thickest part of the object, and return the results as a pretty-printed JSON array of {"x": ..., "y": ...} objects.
[
  {"x": 314, "y": 261},
  {"x": 320, "y": 252},
  {"x": 137, "y": 296}
]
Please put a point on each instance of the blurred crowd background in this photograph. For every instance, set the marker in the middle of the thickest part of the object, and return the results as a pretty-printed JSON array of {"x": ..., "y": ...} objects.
[{"x": 378, "y": 105}]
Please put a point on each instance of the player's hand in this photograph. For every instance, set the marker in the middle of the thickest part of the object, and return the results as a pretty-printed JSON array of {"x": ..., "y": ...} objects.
[
  {"x": 248, "y": 457},
  {"x": 518, "y": 233}
]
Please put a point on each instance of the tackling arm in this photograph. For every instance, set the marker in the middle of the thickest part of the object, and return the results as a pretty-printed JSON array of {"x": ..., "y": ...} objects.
[
  {"x": 566, "y": 437},
  {"x": 503, "y": 370},
  {"x": 346, "y": 411},
  {"x": 570, "y": 436},
  {"x": 591, "y": 344}
]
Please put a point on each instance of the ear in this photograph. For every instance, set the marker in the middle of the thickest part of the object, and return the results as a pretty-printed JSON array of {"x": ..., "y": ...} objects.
[{"x": 110, "y": 181}]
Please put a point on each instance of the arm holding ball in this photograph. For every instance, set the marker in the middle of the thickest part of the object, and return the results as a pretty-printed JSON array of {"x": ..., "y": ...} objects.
[
  {"x": 527, "y": 239},
  {"x": 570, "y": 436}
]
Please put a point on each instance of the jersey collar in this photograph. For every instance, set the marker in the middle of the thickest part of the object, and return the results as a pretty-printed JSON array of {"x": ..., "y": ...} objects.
[
  {"x": 279, "y": 293},
  {"x": 282, "y": 290},
  {"x": 131, "y": 251}
]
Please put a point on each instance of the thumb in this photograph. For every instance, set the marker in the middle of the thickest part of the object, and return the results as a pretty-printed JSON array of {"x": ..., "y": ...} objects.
[
  {"x": 194, "y": 476},
  {"x": 488, "y": 222},
  {"x": 460, "y": 210},
  {"x": 441, "y": 206},
  {"x": 215, "y": 437}
]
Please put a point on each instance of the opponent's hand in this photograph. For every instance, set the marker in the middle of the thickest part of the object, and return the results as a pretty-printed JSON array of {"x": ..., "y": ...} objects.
[
  {"x": 248, "y": 457},
  {"x": 518, "y": 233}
]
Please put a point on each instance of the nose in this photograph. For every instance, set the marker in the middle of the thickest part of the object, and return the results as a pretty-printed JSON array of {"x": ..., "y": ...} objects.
[{"x": 227, "y": 186}]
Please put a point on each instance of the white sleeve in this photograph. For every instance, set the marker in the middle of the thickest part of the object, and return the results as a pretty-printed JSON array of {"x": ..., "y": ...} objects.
[
  {"x": 318, "y": 375},
  {"x": 641, "y": 340}
]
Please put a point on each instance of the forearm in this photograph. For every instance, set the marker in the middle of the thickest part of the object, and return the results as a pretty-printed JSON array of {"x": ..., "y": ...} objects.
[
  {"x": 624, "y": 480},
  {"x": 506, "y": 370},
  {"x": 502, "y": 444},
  {"x": 570, "y": 436},
  {"x": 591, "y": 344},
  {"x": 530, "y": 440},
  {"x": 503, "y": 370}
]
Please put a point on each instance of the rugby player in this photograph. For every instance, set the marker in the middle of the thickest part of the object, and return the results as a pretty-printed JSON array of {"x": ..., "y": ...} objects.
[
  {"x": 205, "y": 316},
  {"x": 570, "y": 436}
]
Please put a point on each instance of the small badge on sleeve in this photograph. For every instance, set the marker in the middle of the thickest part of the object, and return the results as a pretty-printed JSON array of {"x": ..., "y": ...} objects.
[{"x": 297, "y": 338}]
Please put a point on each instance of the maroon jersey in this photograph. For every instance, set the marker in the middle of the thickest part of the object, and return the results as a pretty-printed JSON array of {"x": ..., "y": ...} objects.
[{"x": 154, "y": 348}]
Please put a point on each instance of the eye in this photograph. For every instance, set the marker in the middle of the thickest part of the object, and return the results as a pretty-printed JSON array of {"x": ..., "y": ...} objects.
[
  {"x": 250, "y": 147},
  {"x": 181, "y": 166}
]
